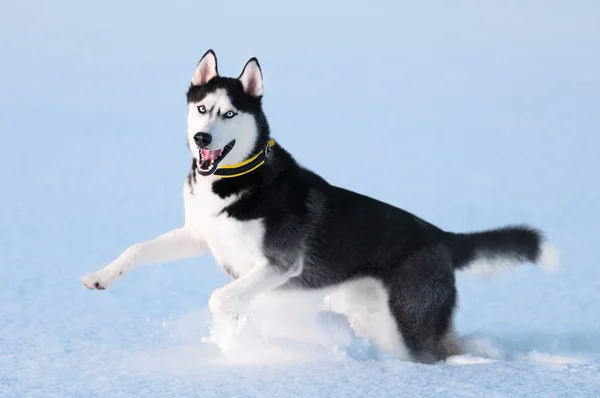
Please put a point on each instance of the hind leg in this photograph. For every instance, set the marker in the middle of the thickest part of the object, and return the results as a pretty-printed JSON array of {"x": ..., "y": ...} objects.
[
  {"x": 364, "y": 301},
  {"x": 422, "y": 298},
  {"x": 427, "y": 332}
]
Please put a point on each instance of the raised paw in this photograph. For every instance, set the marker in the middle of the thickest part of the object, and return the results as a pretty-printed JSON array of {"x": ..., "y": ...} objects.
[{"x": 100, "y": 280}]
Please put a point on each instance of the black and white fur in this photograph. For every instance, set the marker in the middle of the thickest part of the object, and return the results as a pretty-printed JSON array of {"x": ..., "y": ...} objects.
[{"x": 284, "y": 227}]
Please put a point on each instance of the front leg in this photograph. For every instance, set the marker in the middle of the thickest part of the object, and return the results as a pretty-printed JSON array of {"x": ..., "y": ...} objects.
[
  {"x": 263, "y": 277},
  {"x": 177, "y": 244}
]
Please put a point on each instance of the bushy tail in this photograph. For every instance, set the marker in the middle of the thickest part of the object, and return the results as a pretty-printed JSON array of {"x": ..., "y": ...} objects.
[{"x": 498, "y": 250}]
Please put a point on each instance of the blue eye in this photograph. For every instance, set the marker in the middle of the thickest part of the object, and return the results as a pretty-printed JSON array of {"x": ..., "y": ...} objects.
[
  {"x": 202, "y": 109},
  {"x": 229, "y": 114}
]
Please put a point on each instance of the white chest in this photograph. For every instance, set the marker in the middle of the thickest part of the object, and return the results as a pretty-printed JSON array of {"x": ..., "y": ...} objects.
[{"x": 236, "y": 245}]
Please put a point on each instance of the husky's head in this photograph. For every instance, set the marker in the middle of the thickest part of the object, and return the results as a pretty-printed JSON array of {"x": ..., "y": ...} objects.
[{"x": 225, "y": 122}]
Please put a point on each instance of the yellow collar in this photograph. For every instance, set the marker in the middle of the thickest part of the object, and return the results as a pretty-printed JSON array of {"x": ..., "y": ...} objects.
[{"x": 245, "y": 167}]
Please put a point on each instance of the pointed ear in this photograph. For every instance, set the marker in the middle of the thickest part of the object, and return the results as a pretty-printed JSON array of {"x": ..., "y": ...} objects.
[
  {"x": 251, "y": 78},
  {"x": 206, "y": 69}
]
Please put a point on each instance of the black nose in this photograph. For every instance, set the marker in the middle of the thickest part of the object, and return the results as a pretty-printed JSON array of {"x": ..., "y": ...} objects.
[{"x": 203, "y": 139}]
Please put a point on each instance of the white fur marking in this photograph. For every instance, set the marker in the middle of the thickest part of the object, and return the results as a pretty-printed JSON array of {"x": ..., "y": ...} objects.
[
  {"x": 234, "y": 244},
  {"x": 548, "y": 258},
  {"x": 491, "y": 266}
]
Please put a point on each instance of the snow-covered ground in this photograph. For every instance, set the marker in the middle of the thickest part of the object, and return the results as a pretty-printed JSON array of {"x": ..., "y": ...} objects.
[{"x": 470, "y": 114}]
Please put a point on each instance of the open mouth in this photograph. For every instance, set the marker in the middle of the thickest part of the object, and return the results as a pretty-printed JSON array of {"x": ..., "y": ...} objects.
[{"x": 210, "y": 158}]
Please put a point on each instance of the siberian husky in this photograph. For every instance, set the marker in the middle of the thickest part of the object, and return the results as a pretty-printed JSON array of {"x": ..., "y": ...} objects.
[{"x": 271, "y": 223}]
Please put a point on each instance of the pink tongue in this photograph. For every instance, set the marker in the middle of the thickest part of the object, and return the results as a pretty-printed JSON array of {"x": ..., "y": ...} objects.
[{"x": 210, "y": 155}]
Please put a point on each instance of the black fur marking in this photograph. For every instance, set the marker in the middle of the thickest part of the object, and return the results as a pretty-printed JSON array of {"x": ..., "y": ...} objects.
[
  {"x": 191, "y": 178},
  {"x": 229, "y": 271}
]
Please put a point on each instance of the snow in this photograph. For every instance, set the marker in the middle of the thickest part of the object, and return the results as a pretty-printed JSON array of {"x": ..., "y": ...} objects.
[{"x": 482, "y": 114}]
